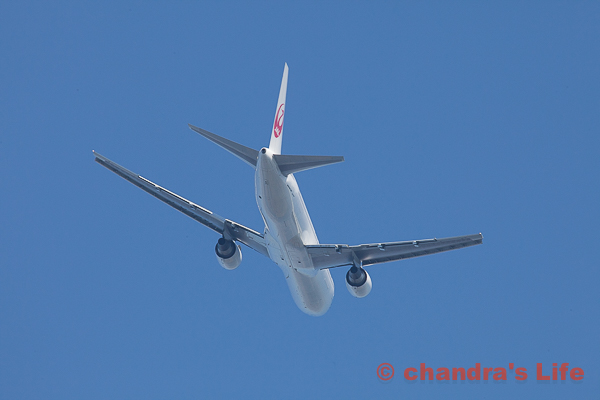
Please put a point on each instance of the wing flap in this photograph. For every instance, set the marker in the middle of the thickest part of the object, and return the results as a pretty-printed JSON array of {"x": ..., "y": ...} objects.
[
  {"x": 236, "y": 231},
  {"x": 337, "y": 255}
]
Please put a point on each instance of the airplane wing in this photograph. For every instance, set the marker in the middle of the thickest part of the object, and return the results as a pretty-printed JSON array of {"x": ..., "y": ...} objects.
[
  {"x": 337, "y": 255},
  {"x": 225, "y": 227}
]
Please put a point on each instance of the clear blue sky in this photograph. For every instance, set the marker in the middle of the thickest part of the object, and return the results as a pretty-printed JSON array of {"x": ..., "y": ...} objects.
[{"x": 453, "y": 119}]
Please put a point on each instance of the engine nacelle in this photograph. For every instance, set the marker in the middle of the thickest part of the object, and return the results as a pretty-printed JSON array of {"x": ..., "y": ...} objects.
[
  {"x": 229, "y": 254},
  {"x": 358, "y": 282}
]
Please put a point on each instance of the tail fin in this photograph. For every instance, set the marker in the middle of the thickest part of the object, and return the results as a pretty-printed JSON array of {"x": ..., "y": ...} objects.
[{"x": 276, "y": 133}]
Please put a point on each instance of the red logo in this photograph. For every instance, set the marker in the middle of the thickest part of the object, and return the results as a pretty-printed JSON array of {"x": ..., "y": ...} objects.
[{"x": 278, "y": 125}]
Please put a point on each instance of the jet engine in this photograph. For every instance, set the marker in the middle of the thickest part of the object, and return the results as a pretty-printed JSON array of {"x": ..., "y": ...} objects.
[
  {"x": 229, "y": 254},
  {"x": 358, "y": 282}
]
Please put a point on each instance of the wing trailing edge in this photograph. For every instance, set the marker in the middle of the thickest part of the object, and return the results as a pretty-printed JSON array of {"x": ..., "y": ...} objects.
[
  {"x": 226, "y": 227},
  {"x": 337, "y": 255}
]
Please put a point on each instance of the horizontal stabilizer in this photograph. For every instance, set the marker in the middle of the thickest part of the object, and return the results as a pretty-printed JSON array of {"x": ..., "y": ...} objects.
[
  {"x": 289, "y": 164},
  {"x": 242, "y": 152}
]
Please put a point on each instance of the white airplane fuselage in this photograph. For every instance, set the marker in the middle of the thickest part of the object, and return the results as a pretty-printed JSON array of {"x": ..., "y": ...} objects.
[
  {"x": 289, "y": 237},
  {"x": 288, "y": 229}
]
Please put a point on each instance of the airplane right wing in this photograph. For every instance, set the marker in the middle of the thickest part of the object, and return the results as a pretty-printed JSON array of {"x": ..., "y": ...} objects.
[
  {"x": 337, "y": 255},
  {"x": 225, "y": 227}
]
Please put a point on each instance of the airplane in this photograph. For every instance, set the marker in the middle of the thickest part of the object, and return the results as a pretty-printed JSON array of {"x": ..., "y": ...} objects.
[{"x": 289, "y": 238}]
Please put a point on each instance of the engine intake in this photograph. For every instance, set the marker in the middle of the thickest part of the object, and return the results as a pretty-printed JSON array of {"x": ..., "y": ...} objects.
[
  {"x": 358, "y": 282},
  {"x": 228, "y": 253}
]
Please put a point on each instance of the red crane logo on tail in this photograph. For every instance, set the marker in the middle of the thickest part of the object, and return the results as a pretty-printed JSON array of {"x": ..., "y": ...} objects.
[{"x": 278, "y": 125}]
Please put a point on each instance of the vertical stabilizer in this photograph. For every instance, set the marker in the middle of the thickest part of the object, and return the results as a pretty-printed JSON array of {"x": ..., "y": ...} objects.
[{"x": 277, "y": 131}]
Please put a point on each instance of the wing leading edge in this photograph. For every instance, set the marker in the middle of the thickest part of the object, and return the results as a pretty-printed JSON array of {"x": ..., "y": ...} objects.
[
  {"x": 225, "y": 227},
  {"x": 337, "y": 255}
]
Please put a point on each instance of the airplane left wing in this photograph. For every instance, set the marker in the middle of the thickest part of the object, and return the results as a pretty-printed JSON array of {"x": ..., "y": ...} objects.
[
  {"x": 225, "y": 227},
  {"x": 337, "y": 255}
]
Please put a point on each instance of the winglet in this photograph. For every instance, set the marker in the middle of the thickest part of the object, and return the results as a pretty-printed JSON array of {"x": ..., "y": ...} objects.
[{"x": 277, "y": 131}]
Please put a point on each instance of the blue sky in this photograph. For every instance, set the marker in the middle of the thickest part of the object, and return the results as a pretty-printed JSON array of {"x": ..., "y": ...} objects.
[{"x": 453, "y": 119}]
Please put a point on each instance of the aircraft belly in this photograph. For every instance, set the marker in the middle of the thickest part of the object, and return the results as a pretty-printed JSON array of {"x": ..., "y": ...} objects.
[
  {"x": 302, "y": 219},
  {"x": 312, "y": 290},
  {"x": 276, "y": 202},
  {"x": 288, "y": 229},
  {"x": 312, "y": 295}
]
